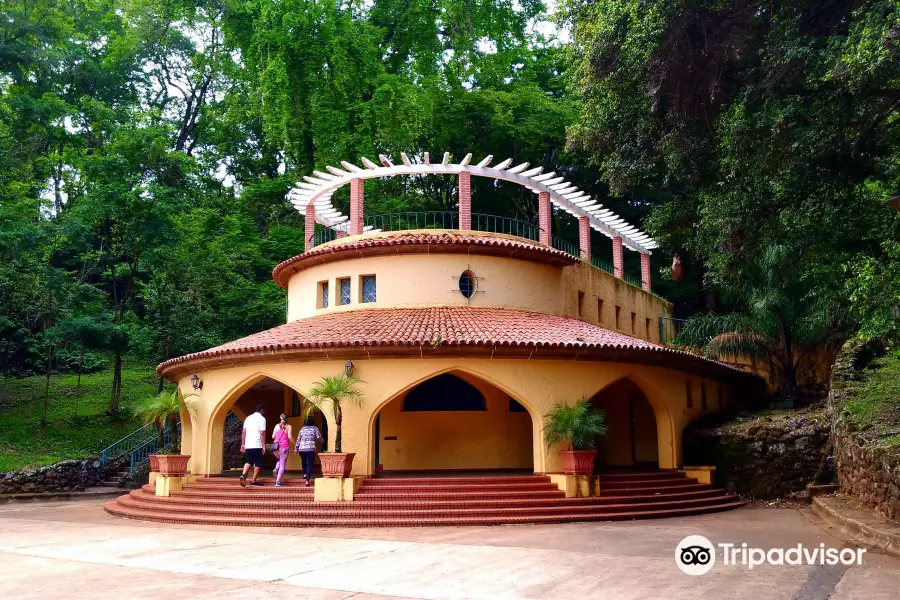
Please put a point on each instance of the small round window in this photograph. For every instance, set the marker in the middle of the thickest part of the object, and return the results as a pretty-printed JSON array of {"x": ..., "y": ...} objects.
[{"x": 468, "y": 284}]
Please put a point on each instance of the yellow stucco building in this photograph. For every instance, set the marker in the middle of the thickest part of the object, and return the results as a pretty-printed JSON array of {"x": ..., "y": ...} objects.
[{"x": 462, "y": 341}]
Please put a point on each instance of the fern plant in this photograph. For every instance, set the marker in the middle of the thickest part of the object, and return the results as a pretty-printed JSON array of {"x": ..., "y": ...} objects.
[
  {"x": 333, "y": 392},
  {"x": 576, "y": 425}
]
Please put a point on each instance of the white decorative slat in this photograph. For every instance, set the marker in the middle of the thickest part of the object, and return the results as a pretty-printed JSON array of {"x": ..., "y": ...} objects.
[
  {"x": 446, "y": 158},
  {"x": 350, "y": 166},
  {"x": 544, "y": 177},
  {"x": 485, "y": 161},
  {"x": 502, "y": 165},
  {"x": 336, "y": 172},
  {"x": 533, "y": 171},
  {"x": 466, "y": 160},
  {"x": 385, "y": 160},
  {"x": 518, "y": 168},
  {"x": 369, "y": 164},
  {"x": 427, "y": 159},
  {"x": 405, "y": 159}
]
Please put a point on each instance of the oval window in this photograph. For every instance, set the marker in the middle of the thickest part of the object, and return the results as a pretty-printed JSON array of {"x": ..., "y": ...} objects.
[{"x": 468, "y": 284}]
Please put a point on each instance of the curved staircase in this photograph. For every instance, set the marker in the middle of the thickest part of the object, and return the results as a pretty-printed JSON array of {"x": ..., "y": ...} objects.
[{"x": 427, "y": 501}]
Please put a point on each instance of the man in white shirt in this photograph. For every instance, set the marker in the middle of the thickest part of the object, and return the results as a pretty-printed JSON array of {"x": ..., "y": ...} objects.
[{"x": 253, "y": 444}]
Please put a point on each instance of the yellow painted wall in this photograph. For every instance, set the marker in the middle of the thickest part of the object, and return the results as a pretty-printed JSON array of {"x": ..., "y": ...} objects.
[
  {"x": 536, "y": 384},
  {"x": 490, "y": 439},
  {"x": 415, "y": 280}
]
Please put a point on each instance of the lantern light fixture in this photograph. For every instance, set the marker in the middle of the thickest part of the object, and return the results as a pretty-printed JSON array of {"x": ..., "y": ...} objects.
[
  {"x": 196, "y": 382},
  {"x": 348, "y": 368}
]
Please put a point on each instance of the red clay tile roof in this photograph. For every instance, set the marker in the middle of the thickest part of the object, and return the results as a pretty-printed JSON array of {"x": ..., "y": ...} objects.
[
  {"x": 424, "y": 242},
  {"x": 443, "y": 327}
]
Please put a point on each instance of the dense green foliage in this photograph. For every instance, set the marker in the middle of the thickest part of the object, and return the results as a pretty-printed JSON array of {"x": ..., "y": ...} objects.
[
  {"x": 875, "y": 404},
  {"x": 77, "y": 425},
  {"x": 147, "y": 146},
  {"x": 746, "y": 124}
]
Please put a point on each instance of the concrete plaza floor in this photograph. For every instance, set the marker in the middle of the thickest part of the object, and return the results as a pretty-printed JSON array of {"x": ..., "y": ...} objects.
[{"x": 73, "y": 549}]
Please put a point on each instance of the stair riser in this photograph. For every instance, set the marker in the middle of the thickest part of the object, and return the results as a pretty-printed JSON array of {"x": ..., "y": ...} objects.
[
  {"x": 120, "y": 511},
  {"x": 252, "y": 504},
  {"x": 313, "y": 511}
]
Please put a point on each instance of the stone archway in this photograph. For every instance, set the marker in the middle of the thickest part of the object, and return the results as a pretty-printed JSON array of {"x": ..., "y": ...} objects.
[
  {"x": 452, "y": 421},
  {"x": 634, "y": 432}
]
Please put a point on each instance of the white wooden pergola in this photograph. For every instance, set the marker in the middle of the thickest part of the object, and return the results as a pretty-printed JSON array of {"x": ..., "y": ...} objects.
[{"x": 313, "y": 197}]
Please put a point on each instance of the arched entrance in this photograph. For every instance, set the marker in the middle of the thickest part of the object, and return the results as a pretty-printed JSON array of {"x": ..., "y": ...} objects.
[
  {"x": 453, "y": 422},
  {"x": 633, "y": 439},
  {"x": 277, "y": 398}
]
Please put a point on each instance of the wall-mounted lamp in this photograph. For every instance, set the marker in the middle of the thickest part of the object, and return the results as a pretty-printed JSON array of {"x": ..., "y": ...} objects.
[
  {"x": 348, "y": 368},
  {"x": 196, "y": 382}
]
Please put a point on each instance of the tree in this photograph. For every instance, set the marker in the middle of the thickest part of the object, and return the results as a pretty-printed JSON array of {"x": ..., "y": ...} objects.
[
  {"x": 782, "y": 319},
  {"x": 160, "y": 409},
  {"x": 745, "y": 124},
  {"x": 334, "y": 392},
  {"x": 577, "y": 425}
]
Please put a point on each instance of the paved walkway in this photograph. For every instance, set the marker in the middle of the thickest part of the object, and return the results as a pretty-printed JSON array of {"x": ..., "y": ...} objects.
[{"x": 74, "y": 550}]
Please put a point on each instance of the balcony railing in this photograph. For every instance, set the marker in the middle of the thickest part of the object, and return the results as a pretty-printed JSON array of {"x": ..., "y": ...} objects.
[
  {"x": 494, "y": 224},
  {"x": 414, "y": 220},
  {"x": 407, "y": 221}
]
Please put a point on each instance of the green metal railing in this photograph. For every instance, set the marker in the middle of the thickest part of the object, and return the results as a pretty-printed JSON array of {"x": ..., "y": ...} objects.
[
  {"x": 669, "y": 329},
  {"x": 603, "y": 265},
  {"x": 494, "y": 224},
  {"x": 635, "y": 281},
  {"x": 414, "y": 220},
  {"x": 324, "y": 235},
  {"x": 565, "y": 246}
]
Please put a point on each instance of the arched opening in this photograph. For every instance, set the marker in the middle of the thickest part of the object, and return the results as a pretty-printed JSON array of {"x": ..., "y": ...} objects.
[
  {"x": 277, "y": 398},
  {"x": 632, "y": 440},
  {"x": 453, "y": 422}
]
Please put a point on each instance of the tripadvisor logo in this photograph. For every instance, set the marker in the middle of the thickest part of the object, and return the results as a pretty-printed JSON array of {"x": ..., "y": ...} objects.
[{"x": 696, "y": 555}]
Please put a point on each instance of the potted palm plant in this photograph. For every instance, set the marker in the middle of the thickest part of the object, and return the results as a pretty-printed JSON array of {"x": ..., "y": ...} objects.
[
  {"x": 157, "y": 410},
  {"x": 333, "y": 392},
  {"x": 577, "y": 426}
]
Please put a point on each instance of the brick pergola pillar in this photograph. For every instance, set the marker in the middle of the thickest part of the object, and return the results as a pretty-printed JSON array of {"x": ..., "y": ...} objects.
[
  {"x": 618, "y": 265},
  {"x": 584, "y": 237},
  {"x": 645, "y": 271},
  {"x": 465, "y": 201},
  {"x": 545, "y": 215},
  {"x": 309, "y": 225},
  {"x": 357, "y": 212}
]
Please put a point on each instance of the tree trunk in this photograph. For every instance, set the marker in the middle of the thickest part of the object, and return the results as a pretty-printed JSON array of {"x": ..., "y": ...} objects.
[
  {"x": 165, "y": 356},
  {"x": 173, "y": 428},
  {"x": 116, "y": 384},
  {"x": 338, "y": 419},
  {"x": 47, "y": 387},
  {"x": 80, "y": 367}
]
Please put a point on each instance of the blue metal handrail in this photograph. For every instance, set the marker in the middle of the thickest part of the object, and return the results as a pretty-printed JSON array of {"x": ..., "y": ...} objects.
[
  {"x": 142, "y": 453},
  {"x": 669, "y": 328},
  {"x": 495, "y": 224},
  {"x": 127, "y": 444}
]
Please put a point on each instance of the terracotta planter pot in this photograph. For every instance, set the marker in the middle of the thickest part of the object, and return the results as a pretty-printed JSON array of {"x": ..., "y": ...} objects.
[
  {"x": 154, "y": 462},
  {"x": 336, "y": 464},
  {"x": 170, "y": 464},
  {"x": 577, "y": 462}
]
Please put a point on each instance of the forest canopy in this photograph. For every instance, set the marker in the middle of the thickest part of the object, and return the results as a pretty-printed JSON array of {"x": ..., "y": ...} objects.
[{"x": 146, "y": 147}]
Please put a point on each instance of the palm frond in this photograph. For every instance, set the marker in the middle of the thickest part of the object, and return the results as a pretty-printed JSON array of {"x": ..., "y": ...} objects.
[
  {"x": 578, "y": 425},
  {"x": 332, "y": 391}
]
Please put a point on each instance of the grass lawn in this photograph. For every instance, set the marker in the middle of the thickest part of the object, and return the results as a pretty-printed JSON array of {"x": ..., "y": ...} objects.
[
  {"x": 876, "y": 402},
  {"x": 24, "y": 442}
]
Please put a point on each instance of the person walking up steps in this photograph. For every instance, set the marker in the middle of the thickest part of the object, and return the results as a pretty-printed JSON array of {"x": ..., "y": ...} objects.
[
  {"x": 306, "y": 446},
  {"x": 283, "y": 439},
  {"x": 253, "y": 444}
]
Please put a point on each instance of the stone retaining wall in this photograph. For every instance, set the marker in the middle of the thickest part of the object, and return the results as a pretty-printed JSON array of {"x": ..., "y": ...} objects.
[
  {"x": 65, "y": 476},
  {"x": 864, "y": 470},
  {"x": 762, "y": 457}
]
